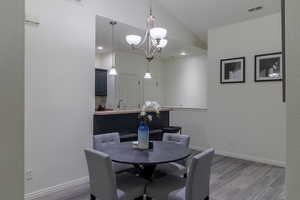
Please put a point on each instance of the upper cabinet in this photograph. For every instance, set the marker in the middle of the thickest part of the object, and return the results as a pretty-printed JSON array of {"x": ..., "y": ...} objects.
[{"x": 101, "y": 82}]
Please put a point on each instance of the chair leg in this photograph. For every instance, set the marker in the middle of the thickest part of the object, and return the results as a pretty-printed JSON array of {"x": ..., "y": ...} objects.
[
  {"x": 207, "y": 198},
  {"x": 93, "y": 197},
  {"x": 185, "y": 176}
]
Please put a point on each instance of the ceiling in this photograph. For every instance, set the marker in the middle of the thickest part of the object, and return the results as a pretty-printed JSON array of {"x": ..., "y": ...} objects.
[
  {"x": 201, "y": 15},
  {"x": 103, "y": 38}
]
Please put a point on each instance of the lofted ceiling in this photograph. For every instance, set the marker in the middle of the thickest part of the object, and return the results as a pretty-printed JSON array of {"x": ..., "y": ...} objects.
[
  {"x": 201, "y": 15},
  {"x": 103, "y": 39}
]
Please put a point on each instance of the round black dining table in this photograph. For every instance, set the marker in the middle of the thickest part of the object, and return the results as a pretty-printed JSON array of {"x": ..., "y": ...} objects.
[{"x": 145, "y": 161}]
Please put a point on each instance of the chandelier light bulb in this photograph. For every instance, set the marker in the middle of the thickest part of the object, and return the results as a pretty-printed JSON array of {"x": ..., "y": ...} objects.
[
  {"x": 133, "y": 39},
  {"x": 158, "y": 33}
]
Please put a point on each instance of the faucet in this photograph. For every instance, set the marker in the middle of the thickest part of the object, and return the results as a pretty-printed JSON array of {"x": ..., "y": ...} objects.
[{"x": 119, "y": 103}]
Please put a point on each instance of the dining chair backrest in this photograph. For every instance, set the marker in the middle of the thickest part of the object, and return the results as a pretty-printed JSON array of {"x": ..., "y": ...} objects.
[
  {"x": 102, "y": 176},
  {"x": 197, "y": 185},
  {"x": 177, "y": 139},
  {"x": 103, "y": 139}
]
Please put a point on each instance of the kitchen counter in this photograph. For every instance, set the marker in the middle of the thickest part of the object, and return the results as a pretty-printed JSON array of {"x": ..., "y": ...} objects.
[
  {"x": 118, "y": 112},
  {"x": 126, "y": 123}
]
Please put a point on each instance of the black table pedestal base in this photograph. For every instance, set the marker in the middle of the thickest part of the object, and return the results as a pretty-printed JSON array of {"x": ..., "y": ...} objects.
[
  {"x": 145, "y": 171},
  {"x": 142, "y": 198}
]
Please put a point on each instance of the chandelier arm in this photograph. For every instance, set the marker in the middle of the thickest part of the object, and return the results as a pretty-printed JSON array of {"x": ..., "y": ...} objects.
[
  {"x": 144, "y": 40},
  {"x": 151, "y": 52},
  {"x": 155, "y": 51},
  {"x": 155, "y": 46},
  {"x": 146, "y": 53},
  {"x": 148, "y": 45}
]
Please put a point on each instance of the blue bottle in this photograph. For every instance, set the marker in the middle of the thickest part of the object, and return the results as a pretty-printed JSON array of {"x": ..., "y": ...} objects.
[{"x": 143, "y": 135}]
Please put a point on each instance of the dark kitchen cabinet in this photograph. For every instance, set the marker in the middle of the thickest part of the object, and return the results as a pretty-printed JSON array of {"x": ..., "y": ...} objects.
[{"x": 101, "y": 82}]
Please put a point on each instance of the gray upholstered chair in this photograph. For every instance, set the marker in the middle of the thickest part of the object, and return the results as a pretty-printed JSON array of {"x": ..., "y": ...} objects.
[
  {"x": 178, "y": 168},
  {"x": 105, "y": 185},
  {"x": 103, "y": 141},
  {"x": 196, "y": 186},
  {"x": 176, "y": 138}
]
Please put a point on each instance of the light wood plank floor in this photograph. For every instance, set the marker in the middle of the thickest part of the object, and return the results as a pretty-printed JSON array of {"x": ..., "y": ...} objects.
[{"x": 231, "y": 179}]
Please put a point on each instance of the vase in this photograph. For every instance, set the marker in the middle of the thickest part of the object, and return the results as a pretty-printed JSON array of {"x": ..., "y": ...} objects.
[{"x": 143, "y": 135}]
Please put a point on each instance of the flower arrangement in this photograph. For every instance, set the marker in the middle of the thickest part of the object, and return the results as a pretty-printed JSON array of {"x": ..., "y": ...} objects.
[{"x": 149, "y": 106}]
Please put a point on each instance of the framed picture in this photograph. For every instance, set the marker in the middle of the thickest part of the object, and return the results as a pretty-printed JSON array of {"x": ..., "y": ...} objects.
[
  {"x": 233, "y": 70},
  {"x": 268, "y": 67}
]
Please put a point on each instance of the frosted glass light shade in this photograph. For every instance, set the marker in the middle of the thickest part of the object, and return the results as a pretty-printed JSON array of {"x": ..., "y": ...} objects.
[
  {"x": 113, "y": 72},
  {"x": 133, "y": 39},
  {"x": 148, "y": 75},
  {"x": 162, "y": 43},
  {"x": 158, "y": 33}
]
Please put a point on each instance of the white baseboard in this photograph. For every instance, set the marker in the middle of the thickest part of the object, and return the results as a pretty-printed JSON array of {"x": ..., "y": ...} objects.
[
  {"x": 56, "y": 188},
  {"x": 198, "y": 148},
  {"x": 244, "y": 157},
  {"x": 252, "y": 158}
]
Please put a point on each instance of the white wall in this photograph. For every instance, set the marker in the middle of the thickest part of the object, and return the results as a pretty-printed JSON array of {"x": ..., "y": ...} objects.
[
  {"x": 59, "y": 67},
  {"x": 293, "y": 98},
  {"x": 12, "y": 99},
  {"x": 194, "y": 123},
  {"x": 60, "y": 83},
  {"x": 185, "y": 82},
  {"x": 185, "y": 89},
  {"x": 246, "y": 120},
  {"x": 104, "y": 60}
]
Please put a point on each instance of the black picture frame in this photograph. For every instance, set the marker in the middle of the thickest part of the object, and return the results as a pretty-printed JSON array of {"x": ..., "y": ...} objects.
[
  {"x": 257, "y": 58},
  {"x": 242, "y": 61}
]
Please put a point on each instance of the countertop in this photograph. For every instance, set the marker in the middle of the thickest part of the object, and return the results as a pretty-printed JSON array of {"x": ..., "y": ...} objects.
[{"x": 118, "y": 112}]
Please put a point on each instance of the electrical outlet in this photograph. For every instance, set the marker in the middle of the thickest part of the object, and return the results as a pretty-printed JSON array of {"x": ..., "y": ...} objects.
[{"x": 28, "y": 175}]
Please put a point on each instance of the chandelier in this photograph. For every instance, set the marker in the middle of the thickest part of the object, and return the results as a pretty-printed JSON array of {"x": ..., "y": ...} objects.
[{"x": 154, "y": 39}]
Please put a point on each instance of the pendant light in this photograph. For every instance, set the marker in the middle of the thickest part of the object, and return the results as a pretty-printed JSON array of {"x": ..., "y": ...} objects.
[
  {"x": 148, "y": 75},
  {"x": 113, "y": 70}
]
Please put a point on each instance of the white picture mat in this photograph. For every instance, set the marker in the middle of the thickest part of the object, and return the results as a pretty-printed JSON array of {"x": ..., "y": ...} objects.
[
  {"x": 233, "y": 61},
  {"x": 258, "y": 59}
]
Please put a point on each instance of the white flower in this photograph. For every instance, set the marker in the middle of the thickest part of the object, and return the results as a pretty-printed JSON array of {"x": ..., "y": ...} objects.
[{"x": 150, "y": 106}]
